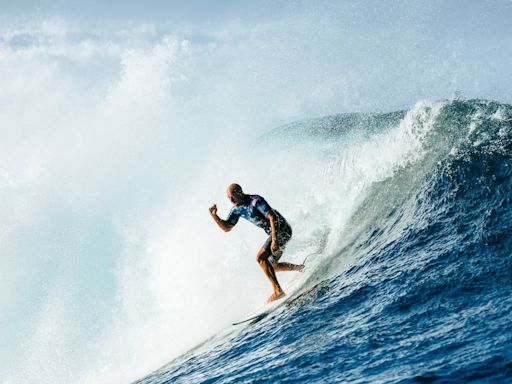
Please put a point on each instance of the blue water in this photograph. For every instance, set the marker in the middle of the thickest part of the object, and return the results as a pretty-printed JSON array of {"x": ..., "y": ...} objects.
[{"x": 420, "y": 289}]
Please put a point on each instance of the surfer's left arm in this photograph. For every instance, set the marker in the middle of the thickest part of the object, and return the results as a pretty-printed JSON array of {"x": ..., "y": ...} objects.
[{"x": 272, "y": 218}]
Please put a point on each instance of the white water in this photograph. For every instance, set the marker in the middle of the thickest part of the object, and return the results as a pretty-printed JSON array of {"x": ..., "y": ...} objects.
[{"x": 116, "y": 138}]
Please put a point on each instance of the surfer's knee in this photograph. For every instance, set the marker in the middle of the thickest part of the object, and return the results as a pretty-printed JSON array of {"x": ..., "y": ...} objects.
[{"x": 262, "y": 256}]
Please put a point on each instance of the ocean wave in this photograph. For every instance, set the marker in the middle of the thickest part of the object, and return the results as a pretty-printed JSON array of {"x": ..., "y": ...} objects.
[{"x": 414, "y": 284}]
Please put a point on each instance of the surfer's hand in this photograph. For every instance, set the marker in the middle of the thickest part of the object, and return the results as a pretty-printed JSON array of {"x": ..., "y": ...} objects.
[
  {"x": 213, "y": 210},
  {"x": 273, "y": 246}
]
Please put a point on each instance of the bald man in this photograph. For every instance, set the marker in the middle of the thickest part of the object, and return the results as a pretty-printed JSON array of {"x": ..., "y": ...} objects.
[{"x": 255, "y": 209}]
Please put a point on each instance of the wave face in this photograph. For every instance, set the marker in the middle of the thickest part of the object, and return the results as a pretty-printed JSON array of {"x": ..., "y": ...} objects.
[{"x": 413, "y": 283}]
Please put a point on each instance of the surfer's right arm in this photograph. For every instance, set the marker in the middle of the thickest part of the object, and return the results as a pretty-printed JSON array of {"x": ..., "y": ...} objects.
[{"x": 223, "y": 224}]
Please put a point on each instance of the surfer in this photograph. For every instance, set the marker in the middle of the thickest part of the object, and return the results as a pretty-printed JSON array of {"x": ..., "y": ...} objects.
[{"x": 255, "y": 209}]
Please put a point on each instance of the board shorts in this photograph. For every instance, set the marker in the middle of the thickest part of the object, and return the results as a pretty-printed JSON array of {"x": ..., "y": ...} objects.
[{"x": 284, "y": 234}]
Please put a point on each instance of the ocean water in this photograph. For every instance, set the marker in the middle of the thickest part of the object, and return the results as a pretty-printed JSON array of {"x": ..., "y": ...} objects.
[{"x": 406, "y": 218}]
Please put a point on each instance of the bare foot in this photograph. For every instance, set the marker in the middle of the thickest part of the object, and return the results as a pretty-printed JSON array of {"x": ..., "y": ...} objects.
[{"x": 275, "y": 296}]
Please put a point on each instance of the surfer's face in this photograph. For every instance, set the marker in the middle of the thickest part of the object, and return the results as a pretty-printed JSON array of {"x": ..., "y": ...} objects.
[{"x": 235, "y": 198}]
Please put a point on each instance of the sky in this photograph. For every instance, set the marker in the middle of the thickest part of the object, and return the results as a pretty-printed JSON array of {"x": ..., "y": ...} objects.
[
  {"x": 155, "y": 11},
  {"x": 376, "y": 55}
]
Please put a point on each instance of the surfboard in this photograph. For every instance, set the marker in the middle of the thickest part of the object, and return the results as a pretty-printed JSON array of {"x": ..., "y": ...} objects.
[
  {"x": 262, "y": 312},
  {"x": 253, "y": 319}
]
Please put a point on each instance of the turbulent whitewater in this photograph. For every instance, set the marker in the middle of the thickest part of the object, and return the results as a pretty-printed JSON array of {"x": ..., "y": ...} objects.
[{"x": 407, "y": 220}]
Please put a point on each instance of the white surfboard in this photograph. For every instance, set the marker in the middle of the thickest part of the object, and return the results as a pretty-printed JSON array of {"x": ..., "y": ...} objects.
[{"x": 262, "y": 312}]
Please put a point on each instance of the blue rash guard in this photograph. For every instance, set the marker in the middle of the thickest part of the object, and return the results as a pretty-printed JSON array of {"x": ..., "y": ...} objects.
[{"x": 256, "y": 211}]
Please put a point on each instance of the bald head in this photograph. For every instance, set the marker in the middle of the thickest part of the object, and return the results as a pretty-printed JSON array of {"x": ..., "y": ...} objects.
[
  {"x": 235, "y": 194},
  {"x": 235, "y": 188}
]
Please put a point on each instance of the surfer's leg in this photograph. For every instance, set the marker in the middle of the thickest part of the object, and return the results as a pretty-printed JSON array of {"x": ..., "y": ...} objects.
[
  {"x": 285, "y": 267},
  {"x": 283, "y": 238},
  {"x": 266, "y": 266}
]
